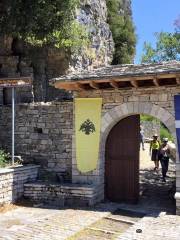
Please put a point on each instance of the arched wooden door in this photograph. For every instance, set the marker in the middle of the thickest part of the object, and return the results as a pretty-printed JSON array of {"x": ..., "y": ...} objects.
[{"x": 122, "y": 161}]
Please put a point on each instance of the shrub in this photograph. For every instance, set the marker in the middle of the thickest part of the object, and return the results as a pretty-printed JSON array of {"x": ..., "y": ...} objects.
[
  {"x": 42, "y": 22},
  {"x": 123, "y": 31},
  {"x": 4, "y": 158},
  {"x": 164, "y": 133}
]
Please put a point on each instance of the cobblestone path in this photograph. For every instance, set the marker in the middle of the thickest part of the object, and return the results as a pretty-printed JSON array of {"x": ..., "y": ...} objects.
[
  {"x": 156, "y": 194},
  {"x": 163, "y": 227},
  {"x": 48, "y": 224},
  {"x": 55, "y": 224}
]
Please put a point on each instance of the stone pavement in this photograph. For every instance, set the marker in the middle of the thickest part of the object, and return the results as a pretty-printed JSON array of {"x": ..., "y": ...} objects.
[
  {"x": 163, "y": 227},
  {"x": 45, "y": 223}
]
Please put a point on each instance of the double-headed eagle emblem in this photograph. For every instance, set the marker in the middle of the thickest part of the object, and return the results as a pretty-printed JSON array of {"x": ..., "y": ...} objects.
[{"x": 87, "y": 127}]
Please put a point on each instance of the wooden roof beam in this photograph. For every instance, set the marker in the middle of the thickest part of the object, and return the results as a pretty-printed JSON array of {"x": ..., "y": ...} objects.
[
  {"x": 178, "y": 80},
  {"x": 156, "y": 82},
  {"x": 134, "y": 83},
  {"x": 94, "y": 85},
  {"x": 114, "y": 84},
  {"x": 80, "y": 86}
]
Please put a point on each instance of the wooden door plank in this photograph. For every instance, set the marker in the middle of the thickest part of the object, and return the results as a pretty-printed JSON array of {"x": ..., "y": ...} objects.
[{"x": 122, "y": 161}]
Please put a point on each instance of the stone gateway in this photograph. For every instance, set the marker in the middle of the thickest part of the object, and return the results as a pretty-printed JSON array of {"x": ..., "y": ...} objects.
[{"x": 45, "y": 132}]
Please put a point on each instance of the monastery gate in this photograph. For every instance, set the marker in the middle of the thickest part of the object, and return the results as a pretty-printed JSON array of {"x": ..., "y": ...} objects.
[
  {"x": 127, "y": 91},
  {"x": 45, "y": 132}
]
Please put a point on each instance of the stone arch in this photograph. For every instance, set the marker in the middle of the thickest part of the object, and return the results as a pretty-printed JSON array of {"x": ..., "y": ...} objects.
[{"x": 119, "y": 112}]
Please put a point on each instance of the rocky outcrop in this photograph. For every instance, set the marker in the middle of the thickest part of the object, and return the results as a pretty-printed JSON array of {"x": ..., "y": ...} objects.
[
  {"x": 126, "y": 8},
  {"x": 18, "y": 59},
  {"x": 93, "y": 15}
]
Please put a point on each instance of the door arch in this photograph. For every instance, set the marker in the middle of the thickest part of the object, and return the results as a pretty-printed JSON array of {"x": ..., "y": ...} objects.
[
  {"x": 113, "y": 116},
  {"x": 122, "y": 161}
]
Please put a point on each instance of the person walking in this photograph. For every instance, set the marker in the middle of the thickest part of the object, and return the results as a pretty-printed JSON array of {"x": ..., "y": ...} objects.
[
  {"x": 164, "y": 154},
  {"x": 142, "y": 138},
  {"x": 154, "y": 151}
]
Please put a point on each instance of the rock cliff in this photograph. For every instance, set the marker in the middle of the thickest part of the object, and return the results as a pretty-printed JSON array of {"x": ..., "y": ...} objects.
[
  {"x": 93, "y": 15},
  {"x": 18, "y": 59}
]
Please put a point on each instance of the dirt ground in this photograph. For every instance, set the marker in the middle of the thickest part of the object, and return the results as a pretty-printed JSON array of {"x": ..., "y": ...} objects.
[
  {"x": 154, "y": 193},
  {"x": 145, "y": 159}
]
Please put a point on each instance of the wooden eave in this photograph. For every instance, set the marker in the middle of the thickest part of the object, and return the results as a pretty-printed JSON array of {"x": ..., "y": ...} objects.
[
  {"x": 120, "y": 82},
  {"x": 15, "y": 82}
]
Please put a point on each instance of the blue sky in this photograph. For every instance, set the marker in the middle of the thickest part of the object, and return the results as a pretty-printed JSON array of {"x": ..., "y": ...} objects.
[{"x": 152, "y": 16}]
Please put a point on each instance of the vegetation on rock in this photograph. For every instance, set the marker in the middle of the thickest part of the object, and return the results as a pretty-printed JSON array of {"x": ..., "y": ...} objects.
[
  {"x": 42, "y": 22},
  {"x": 123, "y": 32},
  {"x": 164, "y": 131}
]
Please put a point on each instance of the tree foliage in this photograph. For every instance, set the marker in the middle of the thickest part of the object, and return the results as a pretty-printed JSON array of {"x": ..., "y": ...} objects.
[
  {"x": 167, "y": 47},
  {"x": 41, "y": 21},
  {"x": 123, "y": 32}
]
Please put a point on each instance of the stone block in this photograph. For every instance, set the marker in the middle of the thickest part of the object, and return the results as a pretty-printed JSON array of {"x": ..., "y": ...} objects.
[
  {"x": 124, "y": 109},
  {"x": 163, "y": 97},
  {"x": 154, "y": 97},
  {"x": 118, "y": 98},
  {"x": 108, "y": 118},
  {"x": 144, "y": 98},
  {"x": 130, "y": 107},
  {"x": 136, "y": 107},
  {"x": 154, "y": 110},
  {"x": 133, "y": 99}
]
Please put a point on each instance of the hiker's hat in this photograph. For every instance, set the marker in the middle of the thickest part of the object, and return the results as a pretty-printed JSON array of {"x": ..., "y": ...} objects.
[{"x": 155, "y": 135}]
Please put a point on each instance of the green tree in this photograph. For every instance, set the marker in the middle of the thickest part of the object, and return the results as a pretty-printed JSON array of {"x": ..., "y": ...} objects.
[
  {"x": 167, "y": 47},
  {"x": 41, "y": 22},
  {"x": 123, "y": 32}
]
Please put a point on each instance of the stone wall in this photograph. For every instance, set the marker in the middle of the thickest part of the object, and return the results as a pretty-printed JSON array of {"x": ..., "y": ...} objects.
[
  {"x": 117, "y": 104},
  {"x": 61, "y": 194},
  {"x": 161, "y": 96},
  {"x": 43, "y": 135},
  {"x": 150, "y": 128},
  {"x": 12, "y": 182},
  {"x": 45, "y": 132},
  {"x": 41, "y": 64},
  {"x": 13, "y": 66}
]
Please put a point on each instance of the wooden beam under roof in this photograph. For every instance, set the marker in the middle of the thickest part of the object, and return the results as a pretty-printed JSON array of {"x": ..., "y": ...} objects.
[
  {"x": 90, "y": 84},
  {"x": 114, "y": 84},
  {"x": 178, "y": 80},
  {"x": 128, "y": 78},
  {"x": 70, "y": 86},
  {"x": 155, "y": 81},
  {"x": 134, "y": 83},
  {"x": 94, "y": 85}
]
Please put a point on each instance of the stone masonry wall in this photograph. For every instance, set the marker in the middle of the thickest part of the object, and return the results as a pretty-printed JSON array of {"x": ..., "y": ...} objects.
[
  {"x": 43, "y": 135},
  {"x": 157, "y": 102},
  {"x": 12, "y": 182},
  {"x": 61, "y": 194},
  {"x": 150, "y": 128},
  {"x": 44, "y": 132},
  {"x": 12, "y": 66}
]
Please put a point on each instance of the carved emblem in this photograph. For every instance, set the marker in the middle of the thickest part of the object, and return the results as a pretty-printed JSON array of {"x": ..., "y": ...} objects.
[{"x": 87, "y": 127}]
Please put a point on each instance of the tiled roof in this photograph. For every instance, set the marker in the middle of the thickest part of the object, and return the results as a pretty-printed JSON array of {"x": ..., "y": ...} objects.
[
  {"x": 121, "y": 76},
  {"x": 123, "y": 70}
]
